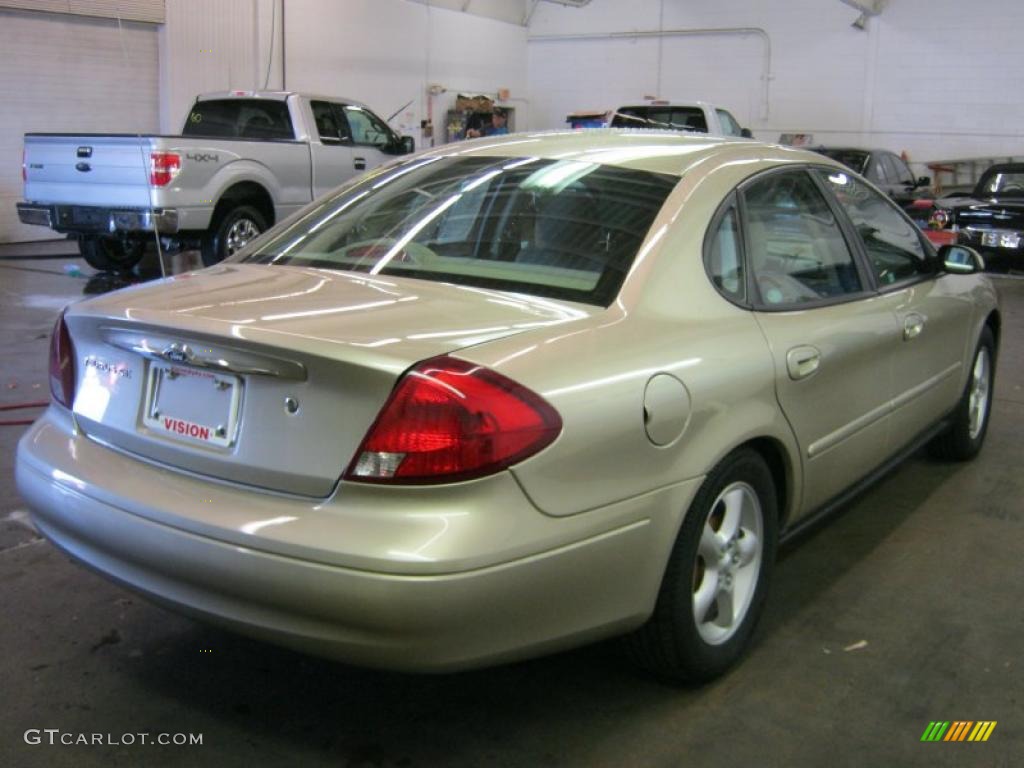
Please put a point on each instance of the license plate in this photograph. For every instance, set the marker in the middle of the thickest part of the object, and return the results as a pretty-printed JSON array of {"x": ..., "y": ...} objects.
[
  {"x": 1001, "y": 239},
  {"x": 192, "y": 405}
]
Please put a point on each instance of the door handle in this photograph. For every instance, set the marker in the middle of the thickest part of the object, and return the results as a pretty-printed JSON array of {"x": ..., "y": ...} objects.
[
  {"x": 802, "y": 361},
  {"x": 912, "y": 327},
  {"x": 359, "y": 163}
]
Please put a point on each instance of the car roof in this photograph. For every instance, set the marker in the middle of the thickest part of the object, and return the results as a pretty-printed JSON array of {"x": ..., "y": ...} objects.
[
  {"x": 661, "y": 151},
  {"x": 276, "y": 96}
]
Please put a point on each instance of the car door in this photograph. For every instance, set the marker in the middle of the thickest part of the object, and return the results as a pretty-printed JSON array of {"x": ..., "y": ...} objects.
[
  {"x": 331, "y": 151},
  {"x": 830, "y": 336},
  {"x": 933, "y": 317}
]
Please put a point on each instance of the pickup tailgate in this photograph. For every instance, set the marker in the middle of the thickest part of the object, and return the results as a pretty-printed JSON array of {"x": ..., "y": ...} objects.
[
  {"x": 270, "y": 376},
  {"x": 90, "y": 170}
]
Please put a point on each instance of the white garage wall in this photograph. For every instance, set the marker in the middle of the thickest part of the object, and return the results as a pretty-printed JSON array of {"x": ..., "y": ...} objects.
[
  {"x": 386, "y": 52},
  {"x": 937, "y": 78},
  {"x": 61, "y": 73},
  {"x": 382, "y": 52}
]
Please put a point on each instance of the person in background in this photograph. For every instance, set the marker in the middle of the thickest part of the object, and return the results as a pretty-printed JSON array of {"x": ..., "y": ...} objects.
[{"x": 497, "y": 127}]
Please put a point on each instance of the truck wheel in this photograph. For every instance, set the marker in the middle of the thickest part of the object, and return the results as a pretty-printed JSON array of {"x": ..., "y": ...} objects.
[
  {"x": 234, "y": 229},
  {"x": 108, "y": 254}
]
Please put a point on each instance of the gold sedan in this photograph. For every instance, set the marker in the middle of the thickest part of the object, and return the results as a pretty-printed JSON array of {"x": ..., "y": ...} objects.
[{"x": 511, "y": 396}]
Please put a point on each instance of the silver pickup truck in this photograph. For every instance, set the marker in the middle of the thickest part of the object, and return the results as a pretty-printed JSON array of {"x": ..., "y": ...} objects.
[{"x": 245, "y": 159}]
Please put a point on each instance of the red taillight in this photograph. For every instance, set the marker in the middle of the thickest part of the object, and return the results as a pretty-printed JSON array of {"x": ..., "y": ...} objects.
[
  {"x": 163, "y": 167},
  {"x": 62, "y": 364},
  {"x": 451, "y": 420}
]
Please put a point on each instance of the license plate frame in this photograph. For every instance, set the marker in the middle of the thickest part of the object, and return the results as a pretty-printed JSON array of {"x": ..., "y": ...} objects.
[{"x": 192, "y": 406}]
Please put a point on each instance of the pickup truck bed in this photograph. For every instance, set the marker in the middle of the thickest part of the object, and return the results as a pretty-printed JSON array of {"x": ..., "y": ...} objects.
[{"x": 268, "y": 155}]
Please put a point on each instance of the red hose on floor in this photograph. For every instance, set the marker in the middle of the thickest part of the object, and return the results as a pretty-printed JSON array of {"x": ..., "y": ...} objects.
[{"x": 18, "y": 407}]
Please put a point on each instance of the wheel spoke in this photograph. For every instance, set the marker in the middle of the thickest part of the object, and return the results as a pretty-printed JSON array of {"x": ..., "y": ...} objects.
[
  {"x": 710, "y": 544},
  {"x": 705, "y": 595},
  {"x": 725, "y": 604},
  {"x": 734, "y": 501},
  {"x": 749, "y": 546}
]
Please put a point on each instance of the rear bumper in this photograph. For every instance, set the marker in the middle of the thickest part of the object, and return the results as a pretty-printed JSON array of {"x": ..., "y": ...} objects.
[
  {"x": 600, "y": 580},
  {"x": 83, "y": 219}
]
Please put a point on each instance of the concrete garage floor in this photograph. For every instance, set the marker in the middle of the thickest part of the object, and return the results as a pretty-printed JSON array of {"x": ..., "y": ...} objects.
[{"x": 925, "y": 569}]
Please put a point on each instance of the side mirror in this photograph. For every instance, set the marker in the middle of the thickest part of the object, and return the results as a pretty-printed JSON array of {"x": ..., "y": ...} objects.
[
  {"x": 961, "y": 260},
  {"x": 746, "y": 133},
  {"x": 406, "y": 145},
  {"x": 924, "y": 181}
]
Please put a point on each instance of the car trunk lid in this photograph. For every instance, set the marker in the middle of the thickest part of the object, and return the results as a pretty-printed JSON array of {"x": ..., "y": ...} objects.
[{"x": 270, "y": 376}]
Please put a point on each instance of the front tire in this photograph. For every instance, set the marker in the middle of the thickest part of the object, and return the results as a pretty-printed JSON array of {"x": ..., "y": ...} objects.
[
  {"x": 965, "y": 435},
  {"x": 231, "y": 233},
  {"x": 715, "y": 585},
  {"x": 109, "y": 254}
]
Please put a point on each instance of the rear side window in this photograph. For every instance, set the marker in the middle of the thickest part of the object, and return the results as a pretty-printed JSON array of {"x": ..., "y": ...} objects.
[
  {"x": 796, "y": 250},
  {"x": 560, "y": 228},
  {"x": 725, "y": 258},
  {"x": 892, "y": 243},
  {"x": 239, "y": 119}
]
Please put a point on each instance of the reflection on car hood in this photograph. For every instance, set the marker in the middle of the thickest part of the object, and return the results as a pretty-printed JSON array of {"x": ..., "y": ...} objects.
[{"x": 311, "y": 308}]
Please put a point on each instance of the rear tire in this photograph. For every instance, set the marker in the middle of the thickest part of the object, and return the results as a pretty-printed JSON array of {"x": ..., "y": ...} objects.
[
  {"x": 965, "y": 435},
  {"x": 231, "y": 232},
  {"x": 109, "y": 254},
  {"x": 715, "y": 585}
]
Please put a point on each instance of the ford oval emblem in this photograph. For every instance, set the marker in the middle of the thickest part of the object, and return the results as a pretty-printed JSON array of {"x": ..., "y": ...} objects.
[{"x": 177, "y": 353}]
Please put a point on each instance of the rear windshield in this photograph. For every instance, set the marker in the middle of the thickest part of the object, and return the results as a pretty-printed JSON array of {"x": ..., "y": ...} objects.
[
  {"x": 559, "y": 228},
  {"x": 239, "y": 119},
  {"x": 676, "y": 118},
  {"x": 854, "y": 159}
]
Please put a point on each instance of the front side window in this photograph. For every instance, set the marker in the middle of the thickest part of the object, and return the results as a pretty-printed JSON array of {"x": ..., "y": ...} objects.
[
  {"x": 796, "y": 250},
  {"x": 239, "y": 119},
  {"x": 560, "y": 228},
  {"x": 366, "y": 127},
  {"x": 892, "y": 243},
  {"x": 729, "y": 125},
  {"x": 897, "y": 171}
]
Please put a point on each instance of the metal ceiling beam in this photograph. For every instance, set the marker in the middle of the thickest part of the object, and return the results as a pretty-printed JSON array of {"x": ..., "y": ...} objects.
[{"x": 867, "y": 7}]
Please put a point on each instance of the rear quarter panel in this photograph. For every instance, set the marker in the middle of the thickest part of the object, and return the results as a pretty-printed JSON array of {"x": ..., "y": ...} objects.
[{"x": 209, "y": 167}]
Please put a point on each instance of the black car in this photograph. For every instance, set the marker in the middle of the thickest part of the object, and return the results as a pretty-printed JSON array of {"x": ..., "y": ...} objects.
[
  {"x": 886, "y": 170},
  {"x": 990, "y": 219}
]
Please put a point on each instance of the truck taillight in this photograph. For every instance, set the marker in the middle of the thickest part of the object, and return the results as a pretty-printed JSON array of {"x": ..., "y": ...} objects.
[
  {"x": 62, "y": 364},
  {"x": 450, "y": 420},
  {"x": 163, "y": 167}
]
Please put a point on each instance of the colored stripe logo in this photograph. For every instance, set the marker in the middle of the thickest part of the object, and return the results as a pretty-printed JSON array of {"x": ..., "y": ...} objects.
[{"x": 958, "y": 730}]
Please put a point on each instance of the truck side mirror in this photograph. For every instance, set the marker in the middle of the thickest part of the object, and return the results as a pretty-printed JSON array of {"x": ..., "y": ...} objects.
[
  {"x": 924, "y": 181},
  {"x": 406, "y": 145},
  {"x": 746, "y": 133}
]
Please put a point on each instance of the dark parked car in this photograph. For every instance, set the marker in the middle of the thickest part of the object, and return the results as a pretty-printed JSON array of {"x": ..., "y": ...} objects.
[
  {"x": 990, "y": 219},
  {"x": 886, "y": 170}
]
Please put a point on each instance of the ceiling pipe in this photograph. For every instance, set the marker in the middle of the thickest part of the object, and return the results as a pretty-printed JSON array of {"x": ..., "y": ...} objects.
[{"x": 766, "y": 74}]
